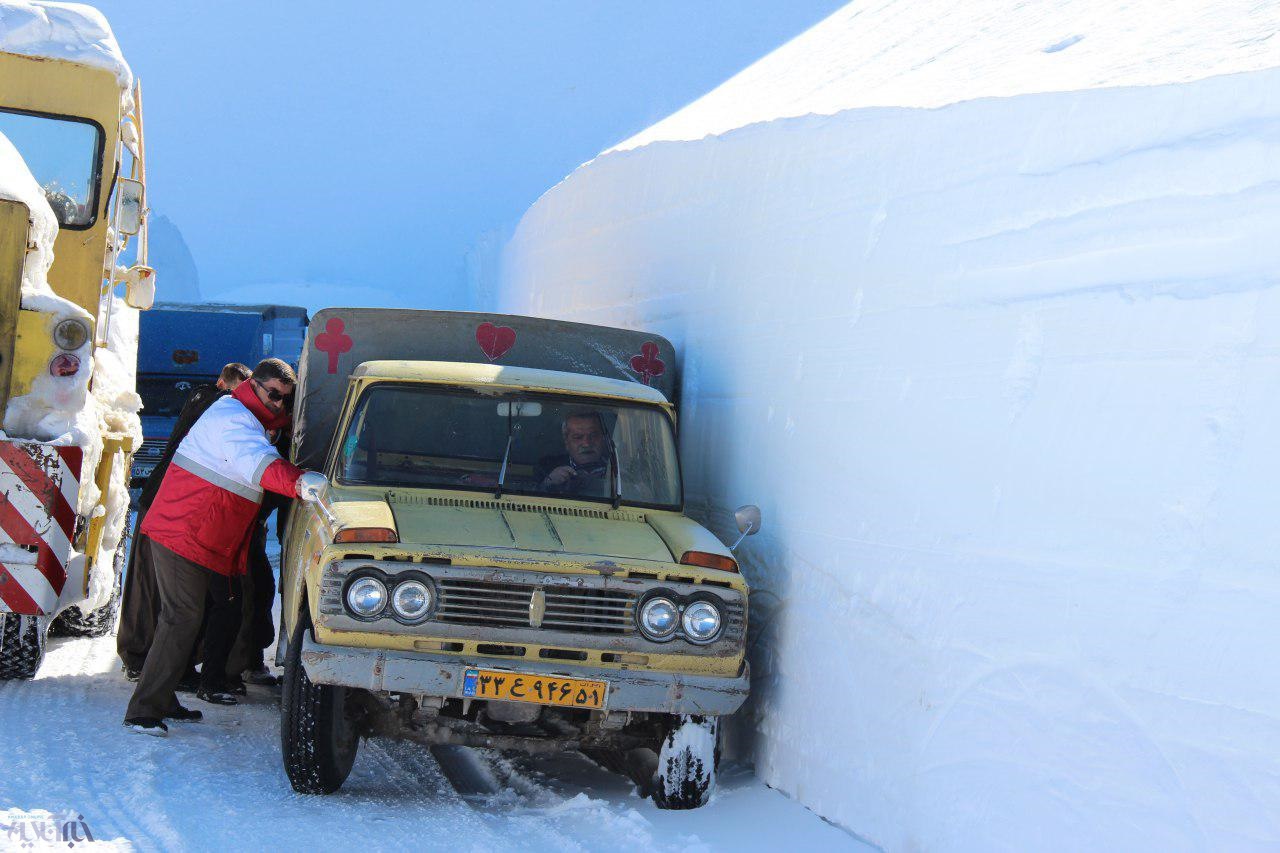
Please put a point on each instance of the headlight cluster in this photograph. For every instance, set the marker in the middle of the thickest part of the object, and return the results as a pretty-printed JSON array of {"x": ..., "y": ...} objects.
[
  {"x": 699, "y": 620},
  {"x": 408, "y": 598},
  {"x": 70, "y": 334}
]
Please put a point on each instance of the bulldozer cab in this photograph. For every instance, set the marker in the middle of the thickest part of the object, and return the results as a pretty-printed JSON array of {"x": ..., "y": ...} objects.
[
  {"x": 73, "y": 263},
  {"x": 78, "y": 127}
]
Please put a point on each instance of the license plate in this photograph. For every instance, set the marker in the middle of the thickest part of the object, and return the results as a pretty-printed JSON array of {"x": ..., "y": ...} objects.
[{"x": 538, "y": 689}]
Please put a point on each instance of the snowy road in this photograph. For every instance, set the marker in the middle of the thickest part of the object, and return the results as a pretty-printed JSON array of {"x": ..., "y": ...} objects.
[{"x": 220, "y": 783}]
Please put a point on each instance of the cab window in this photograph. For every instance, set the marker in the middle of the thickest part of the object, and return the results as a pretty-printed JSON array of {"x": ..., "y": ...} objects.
[
  {"x": 522, "y": 444},
  {"x": 62, "y": 154}
]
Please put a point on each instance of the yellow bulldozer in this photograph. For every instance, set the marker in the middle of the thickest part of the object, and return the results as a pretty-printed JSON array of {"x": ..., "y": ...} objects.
[{"x": 72, "y": 199}]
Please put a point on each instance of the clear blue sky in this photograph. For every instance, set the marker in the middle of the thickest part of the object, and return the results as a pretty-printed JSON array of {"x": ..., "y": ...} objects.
[{"x": 373, "y": 144}]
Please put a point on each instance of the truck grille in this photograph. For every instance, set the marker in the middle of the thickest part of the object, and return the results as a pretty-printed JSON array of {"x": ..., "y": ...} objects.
[
  {"x": 573, "y": 609},
  {"x": 151, "y": 449}
]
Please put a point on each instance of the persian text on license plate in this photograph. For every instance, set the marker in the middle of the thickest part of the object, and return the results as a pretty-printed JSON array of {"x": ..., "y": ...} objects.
[{"x": 539, "y": 689}]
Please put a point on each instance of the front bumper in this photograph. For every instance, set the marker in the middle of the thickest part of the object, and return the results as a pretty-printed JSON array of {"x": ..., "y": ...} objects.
[{"x": 439, "y": 675}]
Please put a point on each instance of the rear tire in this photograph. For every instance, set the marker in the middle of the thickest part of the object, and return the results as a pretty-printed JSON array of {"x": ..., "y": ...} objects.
[
  {"x": 687, "y": 762},
  {"x": 21, "y": 645},
  {"x": 318, "y": 739}
]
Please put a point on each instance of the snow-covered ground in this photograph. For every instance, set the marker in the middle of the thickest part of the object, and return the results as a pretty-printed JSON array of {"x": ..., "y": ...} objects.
[
  {"x": 981, "y": 303},
  {"x": 219, "y": 784}
]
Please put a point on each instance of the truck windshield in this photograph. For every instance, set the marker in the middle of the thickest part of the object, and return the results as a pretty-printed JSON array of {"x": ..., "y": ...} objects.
[
  {"x": 436, "y": 438},
  {"x": 165, "y": 396},
  {"x": 62, "y": 154}
]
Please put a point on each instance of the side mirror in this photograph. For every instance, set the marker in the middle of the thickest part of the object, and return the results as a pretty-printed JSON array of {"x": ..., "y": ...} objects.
[
  {"x": 140, "y": 287},
  {"x": 131, "y": 192},
  {"x": 748, "y": 519}
]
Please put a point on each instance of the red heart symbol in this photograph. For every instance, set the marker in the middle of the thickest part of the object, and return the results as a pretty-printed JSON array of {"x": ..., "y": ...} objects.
[
  {"x": 495, "y": 340},
  {"x": 647, "y": 364}
]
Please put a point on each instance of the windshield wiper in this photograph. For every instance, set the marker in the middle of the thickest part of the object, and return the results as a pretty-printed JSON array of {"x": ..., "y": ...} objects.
[
  {"x": 502, "y": 472},
  {"x": 616, "y": 483}
]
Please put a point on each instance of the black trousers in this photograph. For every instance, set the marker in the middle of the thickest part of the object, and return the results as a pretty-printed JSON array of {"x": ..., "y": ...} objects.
[
  {"x": 140, "y": 608},
  {"x": 223, "y": 604},
  {"x": 140, "y": 602},
  {"x": 257, "y": 630},
  {"x": 184, "y": 591}
]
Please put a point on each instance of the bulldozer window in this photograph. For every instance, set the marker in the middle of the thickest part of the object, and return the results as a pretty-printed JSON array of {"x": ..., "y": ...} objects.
[{"x": 63, "y": 155}]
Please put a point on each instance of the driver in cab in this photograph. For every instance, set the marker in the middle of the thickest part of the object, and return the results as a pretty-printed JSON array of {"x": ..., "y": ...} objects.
[{"x": 582, "y": 469}]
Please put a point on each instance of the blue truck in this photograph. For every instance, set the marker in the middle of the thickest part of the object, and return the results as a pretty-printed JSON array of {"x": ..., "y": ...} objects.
[{"x": 182, "y": 346}]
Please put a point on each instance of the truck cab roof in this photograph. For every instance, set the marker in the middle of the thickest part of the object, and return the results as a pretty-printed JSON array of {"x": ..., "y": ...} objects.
[
  {"x": 473, "y": 349},
  {"x": 508, "y": 377}
]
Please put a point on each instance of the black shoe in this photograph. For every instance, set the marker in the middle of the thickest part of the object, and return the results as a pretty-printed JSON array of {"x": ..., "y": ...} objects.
[
  {"x": 131, "y": 674},
  {"x": 260, "y": 675},
  {"x": 181, "y": 714},
  {"x": 189, "y": 683},
  {"x": 216, "y": 697},
  {"x": 147, "y": 726},
  {"x": 234, "y": 684}
]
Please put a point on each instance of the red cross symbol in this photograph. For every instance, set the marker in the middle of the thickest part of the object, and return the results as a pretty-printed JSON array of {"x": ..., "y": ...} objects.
[
  {"x": 647, "y": 363},
  {"x": 334, "y": 341}
]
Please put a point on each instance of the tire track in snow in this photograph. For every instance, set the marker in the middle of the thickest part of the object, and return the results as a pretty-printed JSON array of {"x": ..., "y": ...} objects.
[{"x": 62, "y": 769}]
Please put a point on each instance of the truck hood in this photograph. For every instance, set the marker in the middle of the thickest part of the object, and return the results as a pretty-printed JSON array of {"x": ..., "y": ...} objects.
[{"x": 442, "y": 521}]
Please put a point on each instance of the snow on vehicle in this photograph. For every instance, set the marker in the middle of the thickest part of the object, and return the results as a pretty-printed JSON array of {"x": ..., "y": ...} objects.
[
  {"x": 501, "y": 557},
  {"x": 71, "y": 194},
  {"x": 181, "y": 346}
]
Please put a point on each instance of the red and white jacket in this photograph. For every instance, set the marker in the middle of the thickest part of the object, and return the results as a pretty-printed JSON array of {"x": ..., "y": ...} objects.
[{"x": 209, "y": 498}]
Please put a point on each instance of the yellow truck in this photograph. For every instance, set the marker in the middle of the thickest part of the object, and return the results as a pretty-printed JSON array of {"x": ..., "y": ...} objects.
[
  {"x": 71, "y": 195},
  {"x": 501, "y": 556}
]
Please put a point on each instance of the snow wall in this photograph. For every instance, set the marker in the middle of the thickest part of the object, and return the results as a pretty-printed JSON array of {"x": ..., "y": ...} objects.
[{"x": 1004, "y": 377}]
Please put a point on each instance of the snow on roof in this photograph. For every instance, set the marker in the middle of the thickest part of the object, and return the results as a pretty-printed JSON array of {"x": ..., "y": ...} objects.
[
  {"x": 70, "y": 31},
  {"x": 929, "y": 53}
]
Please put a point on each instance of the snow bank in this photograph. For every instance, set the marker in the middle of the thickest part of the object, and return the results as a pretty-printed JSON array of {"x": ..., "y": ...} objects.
[
  {"x": 1002, "y": 376},
  {"x": 71, "y": 31},
  {"x": 928, "y": 53}
]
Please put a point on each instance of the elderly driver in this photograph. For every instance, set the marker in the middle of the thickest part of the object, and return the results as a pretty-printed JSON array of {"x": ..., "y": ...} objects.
[{"x": 586, "y": 459}]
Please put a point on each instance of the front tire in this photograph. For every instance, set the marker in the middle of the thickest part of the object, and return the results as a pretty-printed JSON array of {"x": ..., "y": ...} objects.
[
  {"x": 97, "y": 623},
  {"x": 687, "y": 760},
  {"x": 21, "y": 645},
  {"x": 318, "y": 739}
]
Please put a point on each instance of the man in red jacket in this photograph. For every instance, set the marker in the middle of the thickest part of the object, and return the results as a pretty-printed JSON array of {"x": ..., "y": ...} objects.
[{"x": 201, "y": 522}]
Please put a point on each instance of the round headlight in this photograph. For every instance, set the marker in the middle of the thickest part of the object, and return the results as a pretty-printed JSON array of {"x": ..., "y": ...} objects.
[
  {"x": 64, "y": 364},
  {"x": 367, "y": 597},
  {"x": 71, "y": 334},
  {"x": 701, "y": 621},
  {"x": 411, "y": 600},
  {"x": 658, "y": 618}
]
